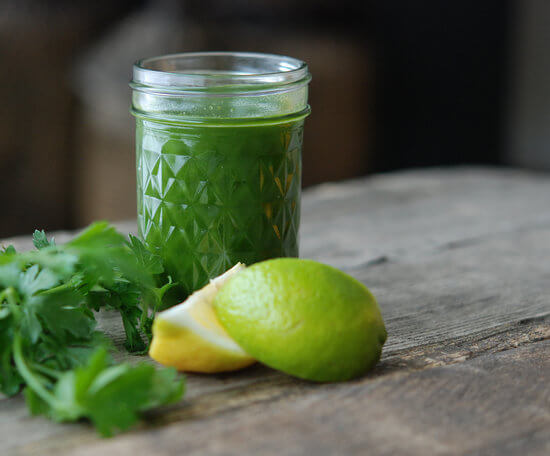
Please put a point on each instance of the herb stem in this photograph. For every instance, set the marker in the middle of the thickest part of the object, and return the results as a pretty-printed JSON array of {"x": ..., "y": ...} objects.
[
  {"x": 57, "y": 289},
  {"x": 46, "y": 371},
  {"x": 9, "y": 294},
  {"x": 27, "y": 374}
]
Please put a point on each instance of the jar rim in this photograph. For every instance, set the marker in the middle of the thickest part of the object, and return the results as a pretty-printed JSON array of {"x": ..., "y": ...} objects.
[{"x": 215, "y": 71}]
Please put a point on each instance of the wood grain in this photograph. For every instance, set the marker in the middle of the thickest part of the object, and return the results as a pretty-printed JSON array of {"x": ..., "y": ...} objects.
[
  {"x": 459, "y": 262},
  {"x": 497, "y": 403},
  {"x": 416, "y": 212}
]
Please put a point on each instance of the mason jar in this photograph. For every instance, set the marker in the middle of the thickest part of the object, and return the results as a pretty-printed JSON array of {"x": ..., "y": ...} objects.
[{"x": 218, "y": 152}]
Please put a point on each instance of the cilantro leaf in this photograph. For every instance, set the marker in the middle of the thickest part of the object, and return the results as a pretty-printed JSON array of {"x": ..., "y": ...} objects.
[
  {"x": 103, "y": 255},
  {"x": 112, "y": 397},
  {"x": 34, "y": 280},
  {"x": 63, "y": 316},
  {"x": 9, "y": 250},
  {"x": 49, "y": 344},
  {"x": 148, "y": 260},
  {"x": 40, "y": 240}
]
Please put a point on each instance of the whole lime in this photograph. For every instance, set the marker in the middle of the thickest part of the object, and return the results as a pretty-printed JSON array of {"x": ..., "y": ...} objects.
[{"x": 304, "y": 318}]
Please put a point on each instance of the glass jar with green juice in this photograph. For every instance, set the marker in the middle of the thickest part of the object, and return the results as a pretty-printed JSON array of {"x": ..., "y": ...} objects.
[{"x": 218, "y": 150}]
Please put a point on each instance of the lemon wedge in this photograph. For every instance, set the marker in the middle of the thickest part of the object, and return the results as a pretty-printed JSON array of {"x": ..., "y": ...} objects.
[{"x": 189, "y": 336}]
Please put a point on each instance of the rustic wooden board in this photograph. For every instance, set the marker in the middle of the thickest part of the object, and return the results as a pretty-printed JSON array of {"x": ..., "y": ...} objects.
[
  {"x": 496, "y": 404},
  {"x": 459, "y": 262}
]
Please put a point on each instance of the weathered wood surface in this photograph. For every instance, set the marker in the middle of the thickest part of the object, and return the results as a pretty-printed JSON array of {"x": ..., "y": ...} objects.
[{"x": 460, "y": 262}]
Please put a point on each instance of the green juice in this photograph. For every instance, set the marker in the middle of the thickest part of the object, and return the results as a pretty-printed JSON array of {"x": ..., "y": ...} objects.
[{"x": 212, "y": 195}]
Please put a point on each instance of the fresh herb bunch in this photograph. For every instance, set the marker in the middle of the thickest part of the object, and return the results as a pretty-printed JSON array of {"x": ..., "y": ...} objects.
[{"x": 48, "y": 342}]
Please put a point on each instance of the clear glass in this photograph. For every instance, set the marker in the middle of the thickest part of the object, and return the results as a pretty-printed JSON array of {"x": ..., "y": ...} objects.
[{"x": 218, "y": 153}]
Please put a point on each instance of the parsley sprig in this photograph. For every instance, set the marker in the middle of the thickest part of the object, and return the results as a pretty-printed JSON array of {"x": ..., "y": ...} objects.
[{"x": 49, "y": 345}]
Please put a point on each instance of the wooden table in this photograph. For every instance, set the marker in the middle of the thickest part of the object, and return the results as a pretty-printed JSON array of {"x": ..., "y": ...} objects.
[{"x": 460, "y": 262}]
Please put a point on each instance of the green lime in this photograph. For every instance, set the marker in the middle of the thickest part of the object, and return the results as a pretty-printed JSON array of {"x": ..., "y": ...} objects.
[{"x": 304, "y": 318}]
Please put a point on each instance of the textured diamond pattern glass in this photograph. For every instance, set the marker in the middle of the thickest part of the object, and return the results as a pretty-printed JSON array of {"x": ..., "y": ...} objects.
[{"x": 210, "y": 196}]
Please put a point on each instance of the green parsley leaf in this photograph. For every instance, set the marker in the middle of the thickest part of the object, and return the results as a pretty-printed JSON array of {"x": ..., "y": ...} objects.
[
  {"x": 9, "y": 250},
  {"x": 148, "y": 260},
  {"x": 40, "y": 240},
  {"x": 48, "y": 340},
  {"x": 112, "y": 397}
]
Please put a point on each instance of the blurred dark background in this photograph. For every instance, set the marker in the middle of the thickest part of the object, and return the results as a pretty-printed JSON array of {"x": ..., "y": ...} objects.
[{"x": 396, "y": 84}]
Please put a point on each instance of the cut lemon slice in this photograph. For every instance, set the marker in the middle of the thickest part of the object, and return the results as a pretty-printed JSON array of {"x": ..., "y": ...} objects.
[{"x": 190, "y": 338}]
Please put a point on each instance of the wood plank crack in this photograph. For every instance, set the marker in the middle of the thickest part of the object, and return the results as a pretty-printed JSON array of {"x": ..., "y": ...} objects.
[{"x": 453, "y": 351}]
